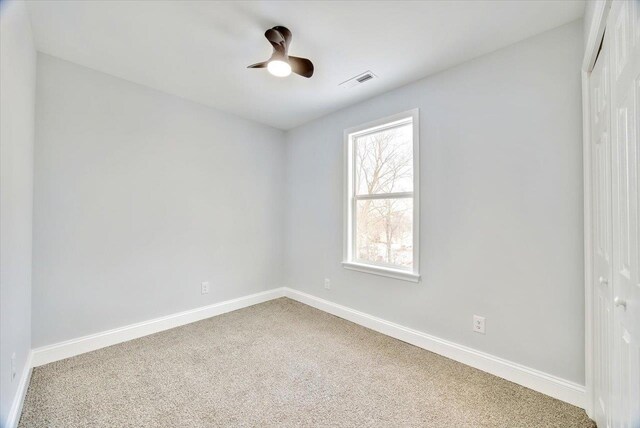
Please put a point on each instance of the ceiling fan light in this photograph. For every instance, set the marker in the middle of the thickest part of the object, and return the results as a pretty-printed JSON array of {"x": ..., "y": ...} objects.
[{"x": 279, "y": 68}]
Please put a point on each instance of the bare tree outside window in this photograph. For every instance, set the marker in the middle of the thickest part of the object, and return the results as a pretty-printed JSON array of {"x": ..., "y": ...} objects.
[{"x": 383, "y": 172}]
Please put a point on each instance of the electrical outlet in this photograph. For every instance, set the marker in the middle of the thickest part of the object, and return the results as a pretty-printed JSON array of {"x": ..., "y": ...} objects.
[
  {"x": 478, "y": 324},
  {"x": 327, "y": 284},
  {"x": 204, "y": 288},
  {"x": 13, "y": 366}
]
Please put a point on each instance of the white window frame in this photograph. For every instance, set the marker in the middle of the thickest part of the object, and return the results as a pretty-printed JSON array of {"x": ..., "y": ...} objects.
[{"x": 349, "y": 260}]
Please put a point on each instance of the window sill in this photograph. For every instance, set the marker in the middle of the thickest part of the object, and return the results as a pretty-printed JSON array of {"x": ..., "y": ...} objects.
[{"x": 376, "y": 270}]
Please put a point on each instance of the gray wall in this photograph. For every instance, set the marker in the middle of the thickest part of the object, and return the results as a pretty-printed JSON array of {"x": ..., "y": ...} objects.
[
  {"x": 501, "y": 206},
  {"x": 141, "y": 196},
  {"x": 17, "y": 89}
]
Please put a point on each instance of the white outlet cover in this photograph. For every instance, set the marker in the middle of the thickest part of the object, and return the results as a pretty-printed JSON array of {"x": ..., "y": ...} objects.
[
  {"x": 204, "y": 288},
  {"x": 13, "y": 366},
  {"x": 478, "y": 324},
  {"x": 327, "y": 283}
]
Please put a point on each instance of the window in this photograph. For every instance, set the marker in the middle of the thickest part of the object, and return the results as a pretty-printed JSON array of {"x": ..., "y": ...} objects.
[{"x": 381, "y": 192}]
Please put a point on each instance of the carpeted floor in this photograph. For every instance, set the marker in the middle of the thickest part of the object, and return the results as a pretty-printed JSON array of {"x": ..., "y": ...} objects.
[{"x": 279, "y": 364}]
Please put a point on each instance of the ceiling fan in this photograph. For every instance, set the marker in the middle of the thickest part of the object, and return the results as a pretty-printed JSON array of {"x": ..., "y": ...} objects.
[{"x": 281, "y": 64}]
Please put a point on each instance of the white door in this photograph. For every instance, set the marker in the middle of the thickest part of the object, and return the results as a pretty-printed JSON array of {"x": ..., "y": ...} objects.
[
  {"x": 600, "y": 96},
  {"x": 623, "y": 29}
]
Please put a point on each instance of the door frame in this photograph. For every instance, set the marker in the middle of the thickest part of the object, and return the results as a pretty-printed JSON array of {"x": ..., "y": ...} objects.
[{"x": 592, "y": 47}]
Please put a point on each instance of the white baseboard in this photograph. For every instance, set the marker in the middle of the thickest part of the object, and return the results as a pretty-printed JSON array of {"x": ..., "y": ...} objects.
[
  {"x": 70, "y": 348},
  {"x": 553, "y": 386},
  {"x": 16, "y": 407}
]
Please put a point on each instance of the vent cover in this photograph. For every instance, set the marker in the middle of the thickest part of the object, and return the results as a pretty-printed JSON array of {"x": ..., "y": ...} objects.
[{"x": 358, "y": 80}]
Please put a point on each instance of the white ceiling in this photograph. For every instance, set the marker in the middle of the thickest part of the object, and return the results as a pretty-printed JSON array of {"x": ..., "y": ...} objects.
[{"x": 199, "y": 50}]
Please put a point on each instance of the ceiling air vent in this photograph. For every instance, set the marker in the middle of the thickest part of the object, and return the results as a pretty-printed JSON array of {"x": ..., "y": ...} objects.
[{"x": 358, "y": 80}]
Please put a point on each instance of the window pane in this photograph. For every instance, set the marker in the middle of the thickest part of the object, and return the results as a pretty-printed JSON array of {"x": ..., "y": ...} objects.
[
  {"x": 384, "y": 231},
  {"x": 384, "y": 161}
]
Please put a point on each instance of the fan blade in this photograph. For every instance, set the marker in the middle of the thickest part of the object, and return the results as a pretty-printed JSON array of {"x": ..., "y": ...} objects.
[
  {"x": 274, "y": 36},
  {"x": 259, "y": 65},
  {"x": 301, "y": 66},
  {"x": 277, "y": 41},
  {"x": 286, "y": 34}
]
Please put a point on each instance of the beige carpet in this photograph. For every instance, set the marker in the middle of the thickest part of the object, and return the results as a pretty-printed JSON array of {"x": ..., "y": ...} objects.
[{"x": 279, "y": 364}]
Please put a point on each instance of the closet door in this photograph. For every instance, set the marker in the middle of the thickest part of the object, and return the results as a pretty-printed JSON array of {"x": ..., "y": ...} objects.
[
  {"x": 623, "y": 28},
  {"x": 600, "y": 96}
]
